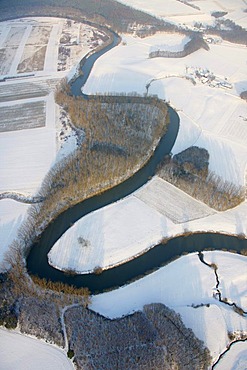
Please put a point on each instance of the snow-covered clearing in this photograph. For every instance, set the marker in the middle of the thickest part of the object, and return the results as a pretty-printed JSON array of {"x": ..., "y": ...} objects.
[
  {"x": 14, "y": 90},
  {"x": 181, "y": 284},
  {"x": 235, "y": 359},
  {"x": 14, "y": 36},
  {"x": 185, "y": 14},
  {"x": 130, "y": 227},
  {"x": 12, "y": 214},
  {"x": 208, "y": 114},
  {"x": 170, "y": 42},
  {"x": 66, "y": 136},
  {"x": 27, "y": 155},
  {"x": 163, "y": 9},
  {"x": 172, "y": 202},
  {"x": 122, "y": 231},
  {"x": 18, "y": 351},
  {"x": 39, "y": 34}
]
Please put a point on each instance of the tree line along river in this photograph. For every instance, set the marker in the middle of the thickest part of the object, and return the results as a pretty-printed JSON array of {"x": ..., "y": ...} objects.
[{"x": 37, "y": 260}]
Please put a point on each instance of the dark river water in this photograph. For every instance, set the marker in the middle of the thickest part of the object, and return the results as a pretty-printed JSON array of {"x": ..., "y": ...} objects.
[{"x": 37, "y": 260}]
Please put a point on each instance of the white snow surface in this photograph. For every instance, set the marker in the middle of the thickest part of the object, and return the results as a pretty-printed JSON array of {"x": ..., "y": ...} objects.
[
  {"x": 12, "y": 214},
  {"x": 180, "y": 13},
  {"x": 235, "y": 359},
  {"x": 27, "y": 155},
  {"x": 125, "y": 229},
  {"x": 170, "y": 42},
  {"x": 20, "y": 352},
  {"x": 210, "y": 117},
  {"x": 119, "y": 236},
  {"x": 181, "y": 284}
]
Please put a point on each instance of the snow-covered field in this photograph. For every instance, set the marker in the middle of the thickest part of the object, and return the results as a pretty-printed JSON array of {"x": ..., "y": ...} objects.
[
  {"x": 236, "y": 359},
  {"x": 31, "y": 138},
  {"x": 210, "y": 117},
  {"x": 181, "y": 13},
  {"x": 122, "y": 230},
  {"x": 183, "y": 284},
  {"x": 18, "y": 351},
  {"x": 172, "y": 202},
  {"x": 12, "y": 214},
  {"x": 27, "y": 154},
  {"x": 31, "y": 115}
]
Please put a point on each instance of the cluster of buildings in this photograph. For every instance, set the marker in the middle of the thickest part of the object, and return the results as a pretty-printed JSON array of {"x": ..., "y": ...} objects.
[{"x": 207, "y": 77}]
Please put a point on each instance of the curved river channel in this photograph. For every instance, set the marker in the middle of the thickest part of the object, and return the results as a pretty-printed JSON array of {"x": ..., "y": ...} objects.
[{"x": 37, "y": 260}]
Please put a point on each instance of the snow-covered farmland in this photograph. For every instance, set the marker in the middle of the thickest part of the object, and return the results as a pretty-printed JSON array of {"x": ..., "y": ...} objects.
[
  {"x": 22, "y": 116},
  {"x": 172, "y": 202},
  {"x": 14, "y": 90},
  {"x": 33, "y": 59},
  {"x": 208, "y": 114},
  {"x": 6, "y": 59},
  {"x": 162, "y": 9},
  {"x": 18, "y": 351},
  {"x": 122, "y": 231},
  {"x": 181, "y": 285},
  {"x": 30, "y": 140}
]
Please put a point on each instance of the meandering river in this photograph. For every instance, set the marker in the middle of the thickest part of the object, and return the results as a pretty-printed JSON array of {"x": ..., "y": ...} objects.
[{"x": 37, "y": 260}]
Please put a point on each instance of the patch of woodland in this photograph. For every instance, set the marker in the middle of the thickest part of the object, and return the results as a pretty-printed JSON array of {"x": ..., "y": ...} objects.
[
  {"x": 188, "y": 171},
  {"x": 120, "y": 17},
  {"x": 243, "y": 95},
  {"x": 196, "y": 43},
  {"x": 155, "y": 338},
  {"x": 227, "y": 30},
  {"x": 120, "y": 134},
  {"x": 34, "y": 304}
]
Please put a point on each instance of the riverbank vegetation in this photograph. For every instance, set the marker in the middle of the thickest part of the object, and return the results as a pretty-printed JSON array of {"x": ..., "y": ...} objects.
[
  {"x": 188, "y": 171},
  {"x": 119, "y": 135}
]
